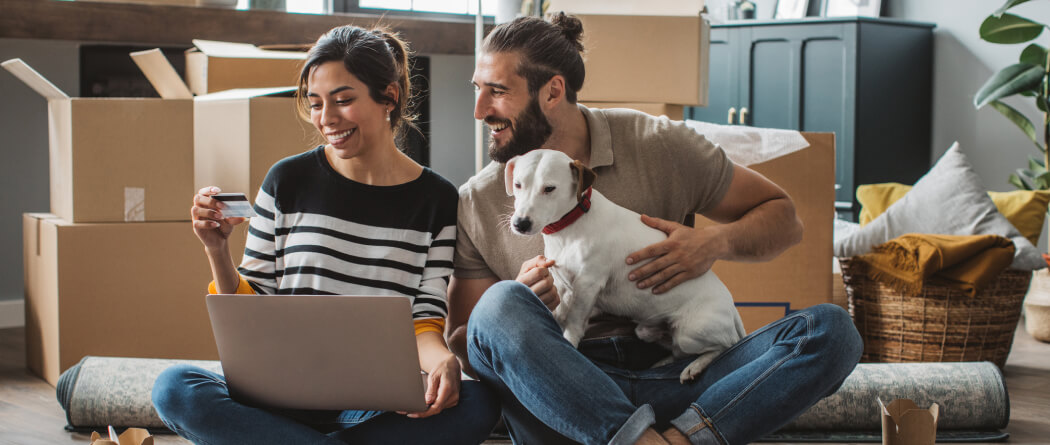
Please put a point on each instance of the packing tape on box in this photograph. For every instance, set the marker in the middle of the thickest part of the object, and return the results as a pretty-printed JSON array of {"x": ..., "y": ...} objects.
[{"x": 134, "y": 204}]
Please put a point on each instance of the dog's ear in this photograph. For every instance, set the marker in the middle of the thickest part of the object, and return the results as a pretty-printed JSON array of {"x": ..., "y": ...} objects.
[
  {"x": 508, "y": 176},
  {"x": 584, "y": 177}
]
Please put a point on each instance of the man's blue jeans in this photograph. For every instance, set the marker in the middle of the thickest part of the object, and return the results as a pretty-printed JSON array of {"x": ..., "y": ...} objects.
[
  {"x": 196, "y": 404},
  {"x": 606, "y": 393}
]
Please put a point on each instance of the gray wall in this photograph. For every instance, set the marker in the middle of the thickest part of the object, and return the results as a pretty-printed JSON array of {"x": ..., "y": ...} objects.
[
  {"x": 23, "y": 144},
  {"x": 451, "y": 114},
  {"x": 962, "y": 63}
]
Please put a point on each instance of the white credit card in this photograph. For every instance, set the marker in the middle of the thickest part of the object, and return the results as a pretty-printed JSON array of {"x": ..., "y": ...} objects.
[{"x": 237, "y": 205}]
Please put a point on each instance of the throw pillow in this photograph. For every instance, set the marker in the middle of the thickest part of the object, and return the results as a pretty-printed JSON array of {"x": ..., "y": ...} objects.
[
  {"x": 948, "y": 200},
  {"x": 1025, "y": 209}
]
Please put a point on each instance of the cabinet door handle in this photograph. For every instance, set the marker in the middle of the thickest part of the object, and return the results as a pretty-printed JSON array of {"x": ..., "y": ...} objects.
[
  {"x": 732, "y": 115},
  {"x": 743, "y": 116}
]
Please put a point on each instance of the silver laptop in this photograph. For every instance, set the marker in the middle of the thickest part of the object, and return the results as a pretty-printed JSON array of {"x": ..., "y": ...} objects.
[{"x": 319, "y": 351}]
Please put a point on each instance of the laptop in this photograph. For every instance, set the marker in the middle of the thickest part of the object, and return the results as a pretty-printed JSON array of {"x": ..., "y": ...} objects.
[{"x": 330, "y": 352}]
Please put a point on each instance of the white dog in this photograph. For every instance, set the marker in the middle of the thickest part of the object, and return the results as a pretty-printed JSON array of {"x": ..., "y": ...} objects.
[{"x": 589, "y": 246}]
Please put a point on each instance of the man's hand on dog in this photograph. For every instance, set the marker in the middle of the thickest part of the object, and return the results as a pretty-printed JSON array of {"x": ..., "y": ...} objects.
[
  {"x": 686, "y": 254},
  {"x": 535, "y": 274}
]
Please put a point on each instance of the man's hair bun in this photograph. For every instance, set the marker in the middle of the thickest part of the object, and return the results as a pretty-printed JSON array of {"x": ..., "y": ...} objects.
[{"x": 570, "y": 27}]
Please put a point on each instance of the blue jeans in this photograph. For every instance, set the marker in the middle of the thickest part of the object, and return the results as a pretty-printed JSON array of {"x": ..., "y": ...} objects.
[
  {"x": 607, "y": 393},
  {"x": 196, "y": 404}
]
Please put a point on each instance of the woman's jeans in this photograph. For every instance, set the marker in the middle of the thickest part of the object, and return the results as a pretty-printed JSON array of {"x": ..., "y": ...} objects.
[
  {"x": 607, "y": 393},
  {"x": 196, "y": 404}
]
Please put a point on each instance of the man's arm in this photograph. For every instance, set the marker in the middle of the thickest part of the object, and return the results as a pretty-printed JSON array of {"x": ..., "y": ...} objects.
[
  {"x": 758, "y": 223},
  {"x": 463, "y": 295}
]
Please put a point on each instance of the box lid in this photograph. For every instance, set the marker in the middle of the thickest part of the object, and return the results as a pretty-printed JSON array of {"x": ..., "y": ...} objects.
[
  {"x": 214, "y": 48},
  {"x": 161, "y": 74},
  {"x": 35, "y": 80},
  {"x": 247, "y": 93}
]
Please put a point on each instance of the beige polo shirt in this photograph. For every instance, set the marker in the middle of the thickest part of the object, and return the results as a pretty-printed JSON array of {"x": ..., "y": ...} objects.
[{"x": 652, "y": 165}]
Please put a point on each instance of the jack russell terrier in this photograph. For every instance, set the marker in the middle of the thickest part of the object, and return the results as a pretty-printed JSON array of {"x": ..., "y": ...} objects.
[{"x": 589, "y": 237}]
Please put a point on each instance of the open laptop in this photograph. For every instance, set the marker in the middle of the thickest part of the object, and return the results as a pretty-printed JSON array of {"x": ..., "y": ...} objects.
[{"x": 319, "y": 351}]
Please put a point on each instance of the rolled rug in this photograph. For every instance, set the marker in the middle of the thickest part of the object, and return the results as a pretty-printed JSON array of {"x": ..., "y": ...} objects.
[
  {"x": 973, "y": 400},
  {"x": 102, "y": 391}
]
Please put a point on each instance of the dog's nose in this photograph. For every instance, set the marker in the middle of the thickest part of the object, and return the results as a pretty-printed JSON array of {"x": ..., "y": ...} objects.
[{"x": 522, "y": 225}]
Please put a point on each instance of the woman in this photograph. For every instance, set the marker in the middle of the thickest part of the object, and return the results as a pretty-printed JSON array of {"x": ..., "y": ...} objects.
[{"x": 353, "y": 216}]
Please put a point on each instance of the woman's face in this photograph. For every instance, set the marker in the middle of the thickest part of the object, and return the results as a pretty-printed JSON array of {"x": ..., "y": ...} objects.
[{"x": 343, "y": 111}]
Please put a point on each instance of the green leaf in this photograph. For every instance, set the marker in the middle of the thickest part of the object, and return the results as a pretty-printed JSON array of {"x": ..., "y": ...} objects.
[
  {"x": 1035, "y": 167},
  {"x": 1016, "y": 182},
  {"x": 1020, "y": 120},
  {"x": 1009, "y": 28},
  {"x": 1040, "y": 103},
  {"x": 1009, "y": 4},
  {"x": 1034, "y": 54},
  {"x": 1009, "y": 81},
  {"x": 1042, "y": 182}
]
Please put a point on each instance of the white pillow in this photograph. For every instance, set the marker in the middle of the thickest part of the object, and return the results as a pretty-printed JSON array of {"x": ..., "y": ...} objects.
[{"x": 948, "y": 200}]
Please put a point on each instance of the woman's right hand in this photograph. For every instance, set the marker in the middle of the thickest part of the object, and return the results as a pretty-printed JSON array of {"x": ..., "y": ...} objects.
[{"x": 208, "y": 223}]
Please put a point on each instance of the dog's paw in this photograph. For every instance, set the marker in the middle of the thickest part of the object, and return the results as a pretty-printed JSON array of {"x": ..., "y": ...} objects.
[
  {"x": 573, "y": 337},
  {"x": 696, "y": 367}
]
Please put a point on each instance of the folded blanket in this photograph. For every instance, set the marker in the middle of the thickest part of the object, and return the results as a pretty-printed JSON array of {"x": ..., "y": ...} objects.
[{"x": 964, "y": 262}]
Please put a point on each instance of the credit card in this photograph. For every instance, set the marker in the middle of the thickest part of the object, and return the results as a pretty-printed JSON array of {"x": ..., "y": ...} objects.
[{"x": 237, "y": 205}]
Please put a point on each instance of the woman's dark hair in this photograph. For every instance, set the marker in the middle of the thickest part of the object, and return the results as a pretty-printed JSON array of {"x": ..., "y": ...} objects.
[
  {"x": 377, "y": 57},
  {"x": 547, "y": 48}
]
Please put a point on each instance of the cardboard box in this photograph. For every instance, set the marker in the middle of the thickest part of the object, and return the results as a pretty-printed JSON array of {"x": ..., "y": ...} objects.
[
  {"x": 904, "y": 423},
  {"x": 668, "y": 65},
  {"x": 115, "y": 289},
  {"x": 116, "y": 159},
  {"x": 672, "y": 111},
  {"x": 800, "y": 277},
  {"x": 238, "y": 134},
  {"x": 217, "y": 66}
]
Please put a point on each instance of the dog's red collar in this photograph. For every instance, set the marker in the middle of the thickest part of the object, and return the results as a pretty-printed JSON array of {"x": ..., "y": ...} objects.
[{"x": 582, "y": 207}]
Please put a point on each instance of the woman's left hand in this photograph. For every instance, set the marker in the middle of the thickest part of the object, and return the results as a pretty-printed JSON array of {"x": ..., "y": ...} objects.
[{"x": 442, "y": 388}]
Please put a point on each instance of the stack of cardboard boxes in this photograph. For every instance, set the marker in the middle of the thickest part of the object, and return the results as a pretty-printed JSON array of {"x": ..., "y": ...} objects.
[{"x": 115, "y": 269}]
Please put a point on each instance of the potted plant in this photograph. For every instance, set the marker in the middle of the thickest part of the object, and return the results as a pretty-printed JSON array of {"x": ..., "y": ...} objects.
[{"x": 1029, "y": 77}]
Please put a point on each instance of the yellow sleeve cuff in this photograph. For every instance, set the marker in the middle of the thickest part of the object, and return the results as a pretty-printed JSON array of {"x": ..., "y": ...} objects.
[
  {"x": 242, "y": 288},
  {"x": 430, "y": 325}
]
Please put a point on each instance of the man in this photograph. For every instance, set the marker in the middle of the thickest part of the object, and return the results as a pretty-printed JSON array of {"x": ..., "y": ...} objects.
[{"x": 607, "y": 391}]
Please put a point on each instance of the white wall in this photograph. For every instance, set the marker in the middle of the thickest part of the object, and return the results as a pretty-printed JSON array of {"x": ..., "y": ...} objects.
[
  {"x": 962, "y": 63},
  {"x": 23, "y": 147}
]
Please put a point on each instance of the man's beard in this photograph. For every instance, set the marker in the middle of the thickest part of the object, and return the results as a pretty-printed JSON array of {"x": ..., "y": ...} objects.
[{"x": 530, "y": 131}]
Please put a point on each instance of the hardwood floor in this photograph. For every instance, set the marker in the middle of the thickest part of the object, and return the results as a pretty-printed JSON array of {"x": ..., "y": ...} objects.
[{"x": 30, "y": 413}]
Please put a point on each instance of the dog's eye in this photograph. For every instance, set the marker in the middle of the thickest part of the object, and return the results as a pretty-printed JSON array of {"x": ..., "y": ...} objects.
[
  {"x": 548, "y": 189},
  {"x": 517, "y": 185}
]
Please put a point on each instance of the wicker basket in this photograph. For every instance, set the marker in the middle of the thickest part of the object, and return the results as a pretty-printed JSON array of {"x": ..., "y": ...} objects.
[{"x": 941, "y": 324}]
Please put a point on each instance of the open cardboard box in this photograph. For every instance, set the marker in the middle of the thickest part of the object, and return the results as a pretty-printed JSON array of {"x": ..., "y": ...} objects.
[
  {"x": 801, "y": 276},
  {"x": 115, "y": 289},
  {"x": 213, "y": 66},
  {"x": 237, "y": 134},
  {"x": 904, "y": 423},
  {"x": 669, "y": 65},
  {"x": 116, "y": 159}
]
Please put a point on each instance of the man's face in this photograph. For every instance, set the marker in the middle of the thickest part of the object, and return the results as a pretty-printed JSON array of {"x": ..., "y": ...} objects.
[{"x": 514, "y": 116}]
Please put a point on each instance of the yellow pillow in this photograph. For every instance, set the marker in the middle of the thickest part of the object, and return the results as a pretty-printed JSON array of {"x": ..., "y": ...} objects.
[{"x": 1025, "y": 209}]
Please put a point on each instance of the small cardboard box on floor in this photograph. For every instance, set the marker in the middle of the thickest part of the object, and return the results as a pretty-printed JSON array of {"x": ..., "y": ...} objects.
[
  {"x": 218, "y": 66},
  {"x": 116, "y": 159},
  {"x": 115, "y": 289},
  {"x": 801, "y": 276},
  {"x": 647, "y": 59},
  {"x": 237, "y": 134}
]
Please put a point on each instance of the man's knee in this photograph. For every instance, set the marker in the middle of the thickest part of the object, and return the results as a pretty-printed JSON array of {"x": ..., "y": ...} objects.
[
  {"x": 500, "y": 307},
  {"x": 174, "y": 393}
]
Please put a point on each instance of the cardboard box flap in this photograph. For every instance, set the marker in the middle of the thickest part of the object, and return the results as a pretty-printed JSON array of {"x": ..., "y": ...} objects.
[
  {"x": 247, "y": 93},
  {"x": 242, "y": 50},
  {"x": 904, "y": 423},
  {"x": 37, "y": 82},
  {"x": 161, "y": 74}
]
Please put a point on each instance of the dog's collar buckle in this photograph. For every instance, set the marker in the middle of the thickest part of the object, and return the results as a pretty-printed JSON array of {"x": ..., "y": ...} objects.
[{"x": 582, "y": 207}]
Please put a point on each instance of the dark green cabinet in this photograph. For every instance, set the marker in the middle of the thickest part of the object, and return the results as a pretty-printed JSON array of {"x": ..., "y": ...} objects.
[{"x": 867, "y": 80}]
